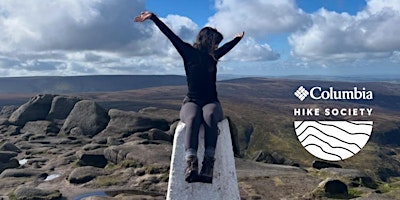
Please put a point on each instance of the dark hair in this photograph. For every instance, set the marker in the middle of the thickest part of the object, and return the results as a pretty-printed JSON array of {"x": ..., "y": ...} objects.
[{"x": 207, "y": 38}]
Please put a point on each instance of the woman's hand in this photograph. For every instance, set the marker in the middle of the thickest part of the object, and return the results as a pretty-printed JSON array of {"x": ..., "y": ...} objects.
[
  {"x": 239, "y": 35},
  {"x": 143, "y": 16}
]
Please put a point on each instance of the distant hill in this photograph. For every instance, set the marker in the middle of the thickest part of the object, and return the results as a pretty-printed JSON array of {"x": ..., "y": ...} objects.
[
  {"x": 110, "y": 83},
  {"x": 79, "y": 84}
]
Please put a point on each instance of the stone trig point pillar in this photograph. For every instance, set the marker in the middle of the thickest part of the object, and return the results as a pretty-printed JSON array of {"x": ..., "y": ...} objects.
[{"x": 224, "y": 184}]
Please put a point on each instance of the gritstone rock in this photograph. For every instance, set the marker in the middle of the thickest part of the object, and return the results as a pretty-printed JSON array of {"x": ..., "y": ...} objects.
[
  {"x": 28, "y": 193},
  {"x": 322, "y": 164},
  {"x": 86, "y": 118},
  {"x": 125, "y": 123},
  {"x": 35, "y": 109},
  {"x": 335, "y": 187},
  {"x": 61, "y": 106},
  {"x": 9, "y": 147},
  {"x": 84, "y": 174}
]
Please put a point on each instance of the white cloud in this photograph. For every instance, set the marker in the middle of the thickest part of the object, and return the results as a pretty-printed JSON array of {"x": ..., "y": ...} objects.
[
  {"x": 258, "y": 17},
  {"x": 376, "y": 6},
  {"x": 73, "y": 37},
  {"x": 69, "y": 25},
  {"x": 249, "y": 50},
  {"x": 70, "y": 37},
  {"x": 372, "y": 33}
]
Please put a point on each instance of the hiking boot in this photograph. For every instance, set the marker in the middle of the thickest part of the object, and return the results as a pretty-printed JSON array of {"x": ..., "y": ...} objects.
[
  {"x": 206, "y": 173},
  {"x": 191, "y": 170}
]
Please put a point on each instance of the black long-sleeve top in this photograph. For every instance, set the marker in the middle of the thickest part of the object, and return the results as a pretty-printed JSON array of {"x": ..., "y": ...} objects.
[{"x": 200, "y": 67}]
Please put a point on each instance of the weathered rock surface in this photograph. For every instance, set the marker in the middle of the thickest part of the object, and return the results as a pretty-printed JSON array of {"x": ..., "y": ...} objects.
[
  {"x": 318, "y": 164},
  {"x": 84, "y": 174},
  {"x": 9, "y": 130},
  {"x": 157, "y": 134},
  {"x": 86, "y": 118},
  {"x": 272, "y": 158},
  {"x": 30, "y": 193},
  {"x": 35, "y": 109},
  {"x": 93, "y": 158},
  {"x": 355, "y": 177},
  {"x": 335, "y": 188},
  {"x": 41, "y": 127},
  {"x": 12, "y": 163},
  {"x": 126, "y": 123},
  {"x": 7, "y": 160},
  {"x": 10, "y": 147},
  {"x": 61, "y": 106},
  {"x": 5, "y": 113},
  {"x": 18, "y": 173},
  {"x": 7, "y": 155},
  {"x": 143, "y": 153}
]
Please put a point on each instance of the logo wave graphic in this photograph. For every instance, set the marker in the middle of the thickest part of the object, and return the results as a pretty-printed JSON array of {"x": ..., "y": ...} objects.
[{"x": 333, "y": 140}]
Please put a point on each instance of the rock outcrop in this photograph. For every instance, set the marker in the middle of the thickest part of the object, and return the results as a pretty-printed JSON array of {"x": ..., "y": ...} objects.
[
  {"x": 7, "y": 160},
  {"x": 86, "y": 118},
  {"x": 35, "y": 109},
  {"x": 58, "y": 147},
  {"x": 30, "y": 193},
  {"x": 61, "y": 106}
]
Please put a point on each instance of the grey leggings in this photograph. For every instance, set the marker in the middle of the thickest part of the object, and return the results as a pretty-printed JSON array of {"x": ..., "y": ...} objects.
[{"x": 195, "y": 113}]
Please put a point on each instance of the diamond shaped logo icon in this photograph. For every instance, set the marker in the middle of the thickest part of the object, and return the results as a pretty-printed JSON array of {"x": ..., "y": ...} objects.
[{"x": 301, "y": 93}]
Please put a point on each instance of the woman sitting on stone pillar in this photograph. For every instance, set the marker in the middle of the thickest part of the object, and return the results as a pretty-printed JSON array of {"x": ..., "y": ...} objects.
[{"x": 201, "y": 104}]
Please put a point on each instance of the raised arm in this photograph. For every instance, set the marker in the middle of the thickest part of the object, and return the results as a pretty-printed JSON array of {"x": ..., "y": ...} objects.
[
  {"x": 175, "y": 40},
  {"x": 228, "y": 46}
]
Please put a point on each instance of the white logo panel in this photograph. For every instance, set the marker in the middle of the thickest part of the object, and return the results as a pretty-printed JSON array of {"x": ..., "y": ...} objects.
[{"x": 333, "y": 140}]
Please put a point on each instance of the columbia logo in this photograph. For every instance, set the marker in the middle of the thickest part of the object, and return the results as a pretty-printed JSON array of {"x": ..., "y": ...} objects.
[{"x": 301, "y": 93}]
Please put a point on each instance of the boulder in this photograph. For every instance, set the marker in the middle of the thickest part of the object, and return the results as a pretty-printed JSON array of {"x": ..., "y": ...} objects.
[
  {"x": 235, "y": 137},
  {"x": 355, "y": 177},
  {"x": 343, "y": 172},
  {"x": 384, "y": 173},
  {"x": 167, "y": 114},
  {"x": 7, "y": 153},
  {"x": 29, "y": 193},
  {"x": 114, "y": 141},
  {"x": 157, "y": 134},
  {"x": 40, "y": 127},
  {"x": 7, "y": 111},
  {"x": 143, "y": 153},
  {"x": 61, "y": 106},
  {"x": 84, "y": 174},
  {"x": 335, "y": 188},
  {"x": 93, "y": 158},
  {"x": 125, "y": 123},
  {"x": 5, "y": 156},
  {"x": 35, "y": 109},
  {"x": 3, "y": 121},
  {"x": 86, "y": 118},
  {"x": 272, "y": 158},
  {"x": 16, "y": 173},
  {"x": 10, "y": 147},
  {"x": 317, "y": 164},
  {"x": 10, "y": 130},
  {"x": 12, "y": 163}
]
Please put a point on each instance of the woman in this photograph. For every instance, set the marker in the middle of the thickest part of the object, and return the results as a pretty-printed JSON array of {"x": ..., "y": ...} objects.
[{"x": 201, "y": 104}]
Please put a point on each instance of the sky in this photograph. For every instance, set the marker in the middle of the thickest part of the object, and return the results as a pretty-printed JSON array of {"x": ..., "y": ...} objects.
[{"x": 282, "y": 38}]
